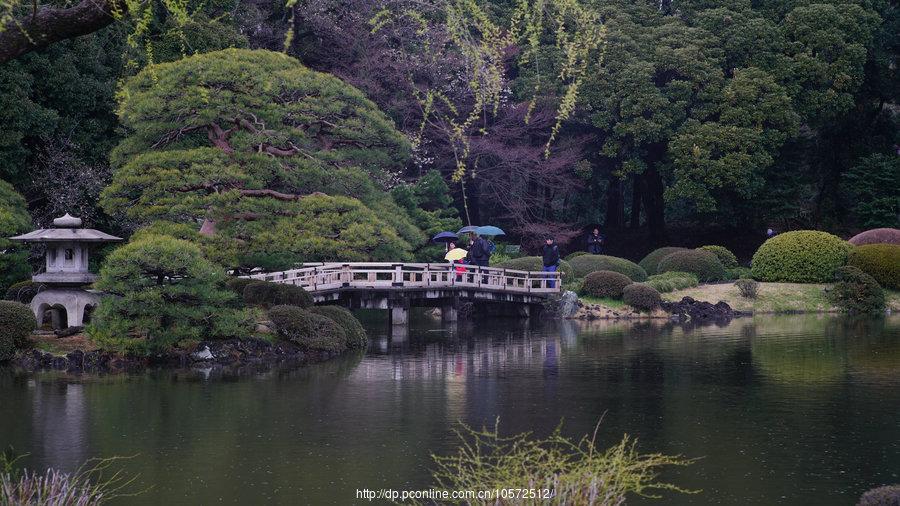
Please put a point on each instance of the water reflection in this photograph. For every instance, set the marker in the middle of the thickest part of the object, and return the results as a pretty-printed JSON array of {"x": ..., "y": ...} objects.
[{"x": 783, "y": 410}]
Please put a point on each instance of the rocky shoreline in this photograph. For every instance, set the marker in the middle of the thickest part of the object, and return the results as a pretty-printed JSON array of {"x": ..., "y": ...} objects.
[
  {"x": 232, "y": 354},
  {"x": 569, "y": 306}
]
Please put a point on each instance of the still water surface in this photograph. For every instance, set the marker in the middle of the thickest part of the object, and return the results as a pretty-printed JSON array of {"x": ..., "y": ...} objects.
[{"x": 779, "y": 410}]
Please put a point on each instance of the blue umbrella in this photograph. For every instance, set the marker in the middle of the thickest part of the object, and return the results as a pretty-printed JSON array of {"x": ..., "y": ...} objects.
[
  {"x": 489, "y": 230},
  {"x": 445, "y": 237},
  {"x": 466, "y": 230}
]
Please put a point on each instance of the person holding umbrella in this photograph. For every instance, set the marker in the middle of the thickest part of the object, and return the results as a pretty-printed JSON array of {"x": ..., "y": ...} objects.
[
  {"x": 446, "y": 237},
  {"x": 457, "y": 257},
  {"x": 551, "y": 259}
]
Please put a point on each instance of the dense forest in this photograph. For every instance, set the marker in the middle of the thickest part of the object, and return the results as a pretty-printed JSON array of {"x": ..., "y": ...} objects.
[{"x": 354, "y": 128}]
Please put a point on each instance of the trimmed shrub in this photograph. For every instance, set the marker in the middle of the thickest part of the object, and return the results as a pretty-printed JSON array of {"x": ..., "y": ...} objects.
[
  {"x": 17, "y": 322},
  {"x": 856, "y": 291},
  {"x": 673, "y": 280},
  {"x": 747, "y": 287},
  {"x": 310, "y": 331},
  {"x": 881, "y": 261},
  {"x": 356, "y": 334},
  {"x": 704, "y": 264},
  {"x": 888, "y": 495},
  {"x": 237, "y": 285},
  {"x": 729, "y": 261},
  {"x": 24, "y": 291},
  {"x": 651, "y": 261},
  {"x": 876, "y": 236},
  {"x": 537, "y": 264},
  {"x": 641, "y": 296},
  {"x": 575, "y": 254},
  {"x": 604, "y": 284},
  {"x": 802, "y": 256},
  {"x": 586, "y": 264},
  {"x": 740, "y": 272},
  {"x": 267, "y": 294},
  {"x": 166, "y": 292}
]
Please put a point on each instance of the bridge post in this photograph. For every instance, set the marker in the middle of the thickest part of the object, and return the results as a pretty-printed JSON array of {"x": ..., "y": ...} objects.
[
  {"x": 399, "y": 311},
  {"x": 450, "y": 311}
]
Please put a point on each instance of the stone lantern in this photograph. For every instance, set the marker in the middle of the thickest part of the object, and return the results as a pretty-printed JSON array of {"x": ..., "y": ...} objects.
[{"x": 66, "y": 271}]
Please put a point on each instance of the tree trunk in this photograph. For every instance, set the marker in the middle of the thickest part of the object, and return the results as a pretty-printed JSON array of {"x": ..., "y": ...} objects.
[
  {"x": 636, "y": 193},
  {"x": 615, "y": 204},
  {"x": 654, "y": 204}
]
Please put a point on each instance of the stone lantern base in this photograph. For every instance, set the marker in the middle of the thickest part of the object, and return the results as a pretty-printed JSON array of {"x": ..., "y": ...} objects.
[{"x": 67, "y": 306}]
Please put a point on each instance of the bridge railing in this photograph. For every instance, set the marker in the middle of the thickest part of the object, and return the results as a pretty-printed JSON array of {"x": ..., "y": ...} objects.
[{"x": 382, "y": 275}]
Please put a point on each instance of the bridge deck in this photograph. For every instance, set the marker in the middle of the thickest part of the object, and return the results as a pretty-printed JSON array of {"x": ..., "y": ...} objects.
[{"x": 331, "y": 277}]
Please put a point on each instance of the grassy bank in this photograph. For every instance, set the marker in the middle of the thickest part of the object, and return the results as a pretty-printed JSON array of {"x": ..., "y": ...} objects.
[{"x": 771, "y": 298}]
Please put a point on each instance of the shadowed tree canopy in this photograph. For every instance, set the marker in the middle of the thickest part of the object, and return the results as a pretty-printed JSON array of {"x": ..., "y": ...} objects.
[{"x": 262, "y": 152}]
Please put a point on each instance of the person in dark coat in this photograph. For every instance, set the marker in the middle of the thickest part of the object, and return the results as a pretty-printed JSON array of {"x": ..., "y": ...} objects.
[
  {"x": 551, "y": 259},
  {"x": 479, "y": 253},
  {"x": 595, "y": 242}
]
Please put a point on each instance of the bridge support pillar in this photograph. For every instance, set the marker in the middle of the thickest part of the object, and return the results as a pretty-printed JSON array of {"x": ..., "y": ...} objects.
[
  {"x": 449, "y": 313},
  {"x": 399, "y": 311}
]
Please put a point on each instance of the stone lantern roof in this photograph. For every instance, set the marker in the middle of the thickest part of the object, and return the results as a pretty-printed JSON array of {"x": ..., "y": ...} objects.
[{"x": 66, "y": 229}]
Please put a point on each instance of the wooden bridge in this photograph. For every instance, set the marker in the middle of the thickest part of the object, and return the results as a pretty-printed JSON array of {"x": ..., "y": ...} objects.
[{"x": 398, "y": 287}]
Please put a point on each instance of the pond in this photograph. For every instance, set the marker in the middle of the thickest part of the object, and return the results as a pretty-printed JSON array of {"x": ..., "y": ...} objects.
[{"x": 788, "y": 410}]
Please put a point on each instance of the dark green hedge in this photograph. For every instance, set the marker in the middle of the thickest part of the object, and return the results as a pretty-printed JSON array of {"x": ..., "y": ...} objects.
[
  {"x": 704, "y": 264},
  {"x": 856, "y": 291},
  {"x": 266, "y": 294},
  {"x": 729, "y": 261},
  {"x": 310, "y": 331},
  {"x": 605, "y": 284},
  {"x": 356, "y": 334},
  {"x": 881, "y": 261},
  {"x": 641, "y": 296},
  {"x": 17, "y": 322},
  {"x": 586, "y": 264},
  {"x": 650, "y": 262},
  {"x": 802, "y": 256}
]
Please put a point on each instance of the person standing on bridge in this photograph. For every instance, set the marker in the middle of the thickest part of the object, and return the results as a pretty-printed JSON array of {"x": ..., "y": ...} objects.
[
  {"x": 551, "y": 259},
  {"x": 479, "y": 253}
]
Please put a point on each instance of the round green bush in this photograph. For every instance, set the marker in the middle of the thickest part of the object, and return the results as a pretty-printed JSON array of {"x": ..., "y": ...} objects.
[
  {"x": 267, "y": 294},
  {"x": 802, "y": 256},
  {"x": 704, "y": 264},
  {"x": 537, "y": 264},
  {"x": 641, "y": 296},
  {"x": 729, "y": 261},
  {"x": 881, "y": 261},
  {"x": 856, "y": 291},
  {"x": 673, "y": 280},
  {"x": 740, "y": 273},
  {"x": 575, "y": 254},
  {"x": 310, "y": 331},
  {"x": 356, "y": 334},
  {"x": 17, "y": 322},
  {"x": 651, "y": 261},
  {"x": 876, "y": 236},
  {"x": 586, "y": 264},
  {"x": 605, "y": 284},
  {"x": 24, "y": 291},
  {"x": 238, "y": 284},
  {"x": 888, "y": 495}
]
